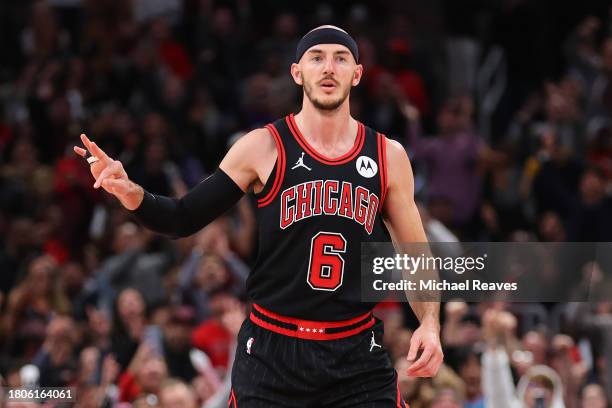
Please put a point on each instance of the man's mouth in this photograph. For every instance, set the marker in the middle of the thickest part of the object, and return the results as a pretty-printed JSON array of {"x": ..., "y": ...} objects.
[{"x": 328, "y": 84}]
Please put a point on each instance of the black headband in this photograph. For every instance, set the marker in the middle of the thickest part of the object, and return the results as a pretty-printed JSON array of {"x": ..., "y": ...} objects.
[{"x": 326, "y": 36}]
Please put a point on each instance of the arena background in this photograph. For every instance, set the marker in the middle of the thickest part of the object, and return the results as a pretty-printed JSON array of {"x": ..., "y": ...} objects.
[{"x": 504, "y": 107}]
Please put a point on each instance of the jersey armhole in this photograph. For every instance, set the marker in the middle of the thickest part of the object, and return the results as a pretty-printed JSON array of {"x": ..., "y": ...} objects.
[
  {"x": 382, "y": 159},
  {"x": 270, "y": 190}
]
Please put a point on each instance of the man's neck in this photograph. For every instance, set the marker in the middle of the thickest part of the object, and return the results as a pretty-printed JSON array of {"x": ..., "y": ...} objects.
[{"x": 326, "y": 128}]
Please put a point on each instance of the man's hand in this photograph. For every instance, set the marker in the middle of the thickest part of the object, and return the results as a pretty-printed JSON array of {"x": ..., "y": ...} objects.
[
  {"x": 427, "y": 339},
  {"x": 498, "y": 327},
  {"x": 455, "y": 311},
  {"x": 233, "y": 317},
  {"x": 111, "y": 176},
  {"x": 110, "y": 370}
]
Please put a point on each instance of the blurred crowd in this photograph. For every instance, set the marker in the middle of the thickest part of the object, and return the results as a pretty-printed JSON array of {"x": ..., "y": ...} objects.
[{"x": 90, "y": 300}]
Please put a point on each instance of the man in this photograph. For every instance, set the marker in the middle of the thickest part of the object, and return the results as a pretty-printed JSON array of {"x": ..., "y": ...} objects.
[
  {"x": 176, "y": 394},
  {"x": 324, "y": 183}
]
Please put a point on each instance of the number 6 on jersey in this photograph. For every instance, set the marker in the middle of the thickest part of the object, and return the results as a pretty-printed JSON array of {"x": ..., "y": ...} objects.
[{"x": 326, "y": 264}]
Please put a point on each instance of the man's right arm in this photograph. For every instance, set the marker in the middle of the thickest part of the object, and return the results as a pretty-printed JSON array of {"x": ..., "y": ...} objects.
[{"x": 246, "y": 165}]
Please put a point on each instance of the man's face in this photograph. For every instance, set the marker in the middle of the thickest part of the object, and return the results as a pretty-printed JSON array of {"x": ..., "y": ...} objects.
[
  {"x": 177, "y": 396},
  {"x": 327, "y": 72},
  {"x": 152, "y": 372},
  {"x": 446, "y": 398},
  {"x": 593, "y": 396},
  {"x": 536, "y": 397},
  {"x": 177, "y": 335}
]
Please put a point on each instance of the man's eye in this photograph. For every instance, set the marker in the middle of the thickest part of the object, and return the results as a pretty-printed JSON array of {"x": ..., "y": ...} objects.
[
  {"x": 341, "y": 59},
  {"x": 316, "y": 59}
]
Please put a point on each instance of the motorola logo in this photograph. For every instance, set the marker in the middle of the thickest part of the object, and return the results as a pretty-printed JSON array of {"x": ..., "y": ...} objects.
[{"x": 366, "y": 167}]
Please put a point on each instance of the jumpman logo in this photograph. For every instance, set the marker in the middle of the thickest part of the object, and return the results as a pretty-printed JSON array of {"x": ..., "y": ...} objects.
[
  {"x": 373, "y": 343},
  {"x": 300, "y": 163}
]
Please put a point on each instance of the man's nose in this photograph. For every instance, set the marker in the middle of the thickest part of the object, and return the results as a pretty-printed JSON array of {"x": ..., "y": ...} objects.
[{"x": 329, "y": 67}]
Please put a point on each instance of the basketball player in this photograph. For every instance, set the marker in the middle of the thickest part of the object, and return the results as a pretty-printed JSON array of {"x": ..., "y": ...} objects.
[{"x": 323, "y": 183}]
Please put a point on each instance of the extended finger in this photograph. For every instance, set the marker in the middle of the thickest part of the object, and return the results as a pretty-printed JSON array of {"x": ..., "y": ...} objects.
[
  {"x": 415, "y": 344},
  {"x": 80, "y": 151},
  {"x": 429, "y": 370},
  {"x": 86, "y": 142},
  {"x": 433, "y": 366},
  {"x": 422, "y": 361},
  {"x": 107, "y": 172},
  {"x": 99, "y": 153},
  {"x": 93, "y": 148}
]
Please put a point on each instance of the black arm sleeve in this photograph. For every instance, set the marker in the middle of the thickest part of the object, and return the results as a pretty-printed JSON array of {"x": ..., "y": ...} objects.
[{"x": 182, "y": 217}]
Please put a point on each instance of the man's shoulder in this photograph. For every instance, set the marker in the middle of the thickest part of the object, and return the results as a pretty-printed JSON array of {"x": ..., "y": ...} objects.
[
  {"x": 253, "y": 152},
  {"x": 395, "y": 150},
  {"x": 257, "y": 140}
]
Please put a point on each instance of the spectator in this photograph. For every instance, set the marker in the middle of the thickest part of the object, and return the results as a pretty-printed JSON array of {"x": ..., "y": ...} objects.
[
  {"x": 453, "y": 179},
  {"x": 551, "y": 228},
  {"x": 539, "y": 384},
  {"x": 447, "y": 398},
  {"x": 177, "y": 342},
  {"x": 593, "y": 396},
  {"x": 176, "y": 394},
  {"x": 470, "y": 370},
  {"x": 211, "y": 267},
  {"x": 460, "y": 328},
  {"x": 129, "y": 324},
  {"x": 600, "y": 91},
  {"x": 31, "y": 305},
  {"x": 55, "y": 358},
  {"x": 25, "y": 168},
  {"x": 600, "y": 148},
  {"x": 211, "y": 336},
  {"x": 416, "y": 390},
  {"x": 19, "y": 245},
  {"x": 590, "y": 220},
  {"x": 131, "y": 266},
  {"x": 554, "y": 175},
  {"x": 157, "y": 173},
  {"x": 167, "y": 86},
  {"x": 144, "y": 376}
]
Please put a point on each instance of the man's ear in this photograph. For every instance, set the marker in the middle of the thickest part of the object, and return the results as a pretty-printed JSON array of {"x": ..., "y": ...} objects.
[
  {"x": 296, "y": 74},
  {"x": 357, "y": 75}
]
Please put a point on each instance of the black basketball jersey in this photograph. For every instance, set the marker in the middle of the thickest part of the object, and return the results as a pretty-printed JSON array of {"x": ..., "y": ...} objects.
[{"x": 313, "y": 214}]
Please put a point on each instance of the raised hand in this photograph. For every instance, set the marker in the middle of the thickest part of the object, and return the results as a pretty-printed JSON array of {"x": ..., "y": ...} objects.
[
  {"x": 110, "y": 175},
  {"x": 110, "y": 370},
  {"x": 97, "y": 167}
]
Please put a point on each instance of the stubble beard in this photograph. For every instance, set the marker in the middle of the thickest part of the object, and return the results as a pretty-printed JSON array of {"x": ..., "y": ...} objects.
[{"x": 329, "y": 105}]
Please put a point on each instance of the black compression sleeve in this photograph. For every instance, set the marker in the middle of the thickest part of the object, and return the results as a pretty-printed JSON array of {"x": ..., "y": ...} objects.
[{"x": 182, "y": 217}]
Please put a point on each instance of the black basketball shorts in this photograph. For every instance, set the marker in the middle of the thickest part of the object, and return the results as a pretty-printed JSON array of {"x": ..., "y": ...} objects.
[{"x": 285, "y": 362}]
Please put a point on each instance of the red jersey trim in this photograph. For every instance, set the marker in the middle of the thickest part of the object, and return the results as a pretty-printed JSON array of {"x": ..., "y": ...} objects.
[
  {"x": 400, "y": 401},
  {"x": 345, "y": 158},
  {"x": 232, "y": 400},
  {"x": 310, "y": 335},
  {"x": 382, "y": 157},
  {"x": 280, "y": 168},
  {"x": 291, "y": 320},
  {"x": 311, "y": 330}
]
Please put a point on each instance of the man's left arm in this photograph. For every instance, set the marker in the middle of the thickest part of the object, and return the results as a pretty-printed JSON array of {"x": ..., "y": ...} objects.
[{"x": 402, "y": 218}]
